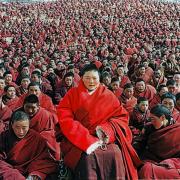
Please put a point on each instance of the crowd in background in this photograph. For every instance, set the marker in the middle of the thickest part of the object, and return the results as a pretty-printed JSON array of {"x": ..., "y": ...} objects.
[{"x": 134, "y": 43}]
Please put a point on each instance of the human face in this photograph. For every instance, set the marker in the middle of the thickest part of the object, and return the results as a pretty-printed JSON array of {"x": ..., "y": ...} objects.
[
  {"x": 128, "y": 92},
  {"x": 2, "y": 83},
  {"x": 68, "y": 81},
  {"x": 169, "y": 103},
  {"x": 31, "y": 108},
  {"x": 25, "y": 82},
  {"x": 107, "y": 80},
  {"x": 172, "y": 88},
  {"x": 120, "y": 71},
  {"x": 163, "y": 91},
  {"x": 156, "y": 121},
  {"x": 35, "y": 78},
  {"x": 143, "y": 106},
  {"x": 177, "y": 78},
  {"x": 91, "y": 80},
  {"x": 21, "y": 128},
  {"x": 8, "y": 78},
  {"x": 11, "y": 92},
  {"x": 115, "y": 85},
  {"x": 140, "y": 86},
  {"x": 142, "y": 70},
  {"x": 34, "y": 90},
  {"x": 25, "y": 71},
  {"x": 157, "y": 74}
]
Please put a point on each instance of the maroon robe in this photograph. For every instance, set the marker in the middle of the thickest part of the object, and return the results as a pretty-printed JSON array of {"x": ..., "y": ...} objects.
[
  {"x": 163, "y": 153},
  {"x": 22, "y": 157},
  {"x": 156, "y": 100},
  {"x": 124, "y": 80},
  {"x": 11, "y": 103},
  {"x": 148, "y": 93},
  {"x": 5, "y": 115},
  {"x": 80, "y": 113},
  {"x": 176, "y": 115},
  {"x": 44, "y": 100}
]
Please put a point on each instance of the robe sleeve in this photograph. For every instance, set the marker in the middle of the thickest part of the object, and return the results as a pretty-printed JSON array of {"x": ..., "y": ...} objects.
[{"x": 72, "y": 129}]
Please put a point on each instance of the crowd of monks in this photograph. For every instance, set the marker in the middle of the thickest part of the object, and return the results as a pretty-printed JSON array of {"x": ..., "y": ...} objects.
[{"x": 43, "y": 47}]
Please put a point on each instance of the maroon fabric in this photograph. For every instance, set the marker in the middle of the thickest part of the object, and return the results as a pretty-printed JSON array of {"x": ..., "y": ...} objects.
[
  {"x": 108, "y": 161},
  {"x": 45, "y": 102},
  {"x": 29, "y": 155},
  {"x": 5, "y": 114},
  {"x": 149, "y": 93},
  {"x": 168, "y": 139}
]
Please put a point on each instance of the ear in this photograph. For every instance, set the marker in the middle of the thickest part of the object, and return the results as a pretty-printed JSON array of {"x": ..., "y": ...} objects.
[{"x": 163, "y": 117}]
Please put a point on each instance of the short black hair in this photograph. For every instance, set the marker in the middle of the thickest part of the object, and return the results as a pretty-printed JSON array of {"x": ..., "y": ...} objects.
[
  {"x": 89, "y": 67},
  {"x": 19, "y": 116},
  {"x": 139, "y": 80},
  {"x": 7, "y": 87},
  {"x": 141, "y": 99},
  {"x": 171, "y": 82},
  {"x": 32, "y": 98},
  {"x": 68, "y": 74},
  {"x": 177, "y": 96},
  {"x": 160, "y": 87},
  {"x": 33, "y": 84},
  {"x": 169, "y": 96},
  {"x": 160, "y": 110},
  {"x": 128, "y": 85}
]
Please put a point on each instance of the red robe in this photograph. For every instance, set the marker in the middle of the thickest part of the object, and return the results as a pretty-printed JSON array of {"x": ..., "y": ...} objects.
[
  {"x": 124, "y": 80},
  {"x": 25, "y": 156},
  {"x": 5, "y": 115},
  {"x": 12, "y": 103},
  {"x": 163, "y": 153},
  {"x": 156, "y": 100},
  {"x": 44, "y": 100},
  {"x": 149, "y": 93},
  {"x": 44, "y": 123},
  {"x": 176, "y": 115},
  {"x": 80, "y": 113},
  {"x": 128, "y": 104}
]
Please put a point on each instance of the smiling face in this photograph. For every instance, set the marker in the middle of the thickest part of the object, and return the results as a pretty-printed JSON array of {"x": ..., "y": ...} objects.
[
  {"x": 140, "y": 86},
  {"x": 91, "y": 80}
]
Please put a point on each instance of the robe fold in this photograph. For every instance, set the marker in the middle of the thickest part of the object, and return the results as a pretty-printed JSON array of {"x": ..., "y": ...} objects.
[
  {"x": 80, "y": 113},
  {"x": 23, "y": 157},
  {"x": 5, "y": 115},
  {"x": 44, "y": 123},
  {"x": 162, "y": 155}
]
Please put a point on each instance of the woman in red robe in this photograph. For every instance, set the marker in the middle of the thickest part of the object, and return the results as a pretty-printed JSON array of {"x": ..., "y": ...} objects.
[
  {"x": 92, "y": 119},
  {"x": 23, "y": 152},
  {"x": 161, "y": 145}
]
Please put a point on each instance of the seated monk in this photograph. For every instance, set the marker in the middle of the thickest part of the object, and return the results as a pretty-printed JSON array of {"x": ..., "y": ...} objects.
[
  {"x": 143, "y": 90},
  {"x": 115, "y": 86},
  {"x": 43, "y": 122},
  {"x": 159, "y": 146},
  {"x": 127, "y": 98},
  {"x": 123, "y": 78},
  {"x": 9, "y": 98},
  {"x": 5, "y": 114},
  {"x": 23, "y": 152},
  {"x": 95, "y": 129},
  {"x": 2, "y": 85},
  {"x": 158, "y": 78},
  {"x": 23, "y": 88},
  {"x": 162, "y": 89},
  {"x": 139, "y": 116},
  {"x": 169, "y": 100},
  {"x": 44, "y": 100},
  {"x": 63, "y": 87}
]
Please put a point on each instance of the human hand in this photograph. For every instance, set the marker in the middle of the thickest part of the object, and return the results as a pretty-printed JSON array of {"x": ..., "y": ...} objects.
[{"x": 102, "y": 135}]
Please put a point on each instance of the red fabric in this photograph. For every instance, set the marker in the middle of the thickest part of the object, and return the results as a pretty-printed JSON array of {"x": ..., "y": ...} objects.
[
  {"x": 44, "y": 122},
  {"x": 176, "y": 115},
  {"x": 118, "y": 92},
  {"x": 12, "y": 103},
  {"x": 44, "y": 100},
  {"x": 156, "y": 100},
  {"x": 149, "y": 93},
  {"x": 167, "y": 157},
  {"x": 124, "y": 80},
  {"x": 80, "y": 113},
  {"x": 5, "y": 115},
  {"x": 29, "y": 155}
]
